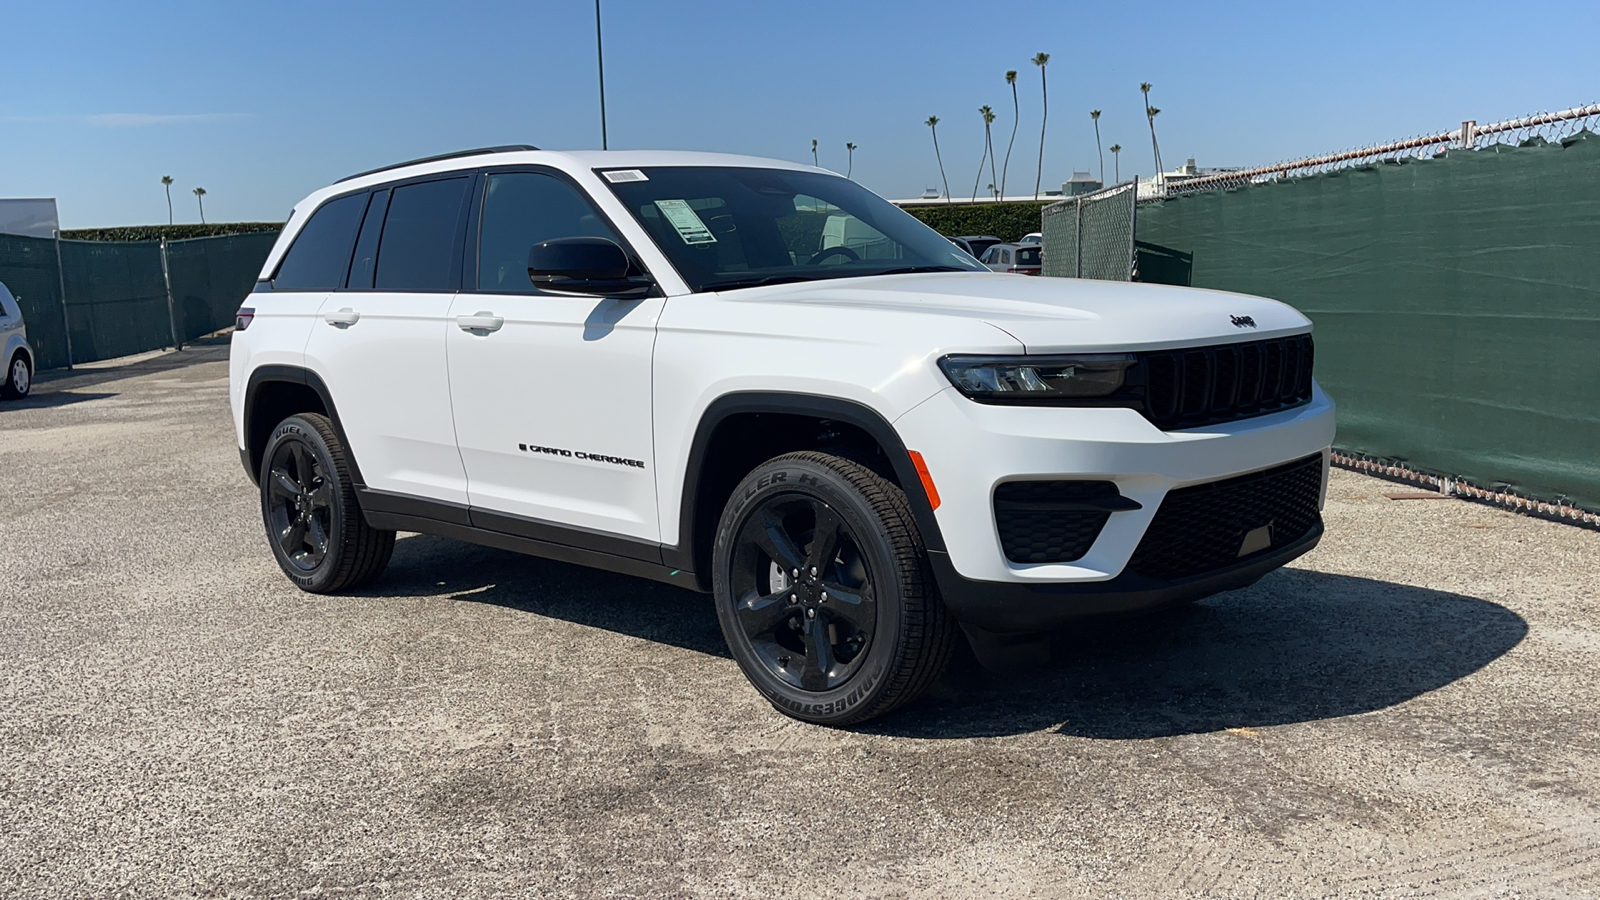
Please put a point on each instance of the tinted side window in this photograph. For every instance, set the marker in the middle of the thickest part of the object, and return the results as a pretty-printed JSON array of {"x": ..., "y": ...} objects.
[
  {"x": 521, "y": 209},
  {"x": 417, "y": 250},
  {"x": 366, "y": 258},
  {"x": 321, "y": 251}
]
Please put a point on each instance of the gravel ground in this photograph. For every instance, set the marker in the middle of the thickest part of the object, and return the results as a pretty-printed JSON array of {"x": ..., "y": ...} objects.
[{"x": 1410, "y": 710}]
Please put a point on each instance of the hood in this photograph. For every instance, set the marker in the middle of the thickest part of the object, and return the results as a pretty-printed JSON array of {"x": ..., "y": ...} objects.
[{"x": 1055, "y": 314}]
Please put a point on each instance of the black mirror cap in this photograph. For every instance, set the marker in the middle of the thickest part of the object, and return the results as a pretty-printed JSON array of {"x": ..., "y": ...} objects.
[
  {"x": 578, "y": 259},
  {"x": 583, "y": 265}
]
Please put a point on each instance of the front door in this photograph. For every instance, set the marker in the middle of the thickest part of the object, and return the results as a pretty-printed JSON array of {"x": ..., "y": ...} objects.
[{"x": 551, "y": 391}]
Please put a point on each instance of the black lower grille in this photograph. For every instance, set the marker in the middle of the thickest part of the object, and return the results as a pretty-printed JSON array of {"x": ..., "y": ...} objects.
[
  {"x": 1202, "y": 528},
  {"x": 1053, "y": 521},
  {"x": 1205, "y": 385}
]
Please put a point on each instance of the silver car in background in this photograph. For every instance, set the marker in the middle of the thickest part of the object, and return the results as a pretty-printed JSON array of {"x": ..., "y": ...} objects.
[{"x": 14, "y": 349}]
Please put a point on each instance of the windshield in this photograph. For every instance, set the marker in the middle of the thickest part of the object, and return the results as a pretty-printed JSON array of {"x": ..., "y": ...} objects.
[
  {"x": 730, "y": 227},
  {"x": 1027, "y": 256}
]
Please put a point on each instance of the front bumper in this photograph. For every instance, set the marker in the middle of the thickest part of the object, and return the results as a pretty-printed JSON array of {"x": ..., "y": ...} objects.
[
  {"x": 971, "y": 448},
  {"x": 1023, "y": 607}
]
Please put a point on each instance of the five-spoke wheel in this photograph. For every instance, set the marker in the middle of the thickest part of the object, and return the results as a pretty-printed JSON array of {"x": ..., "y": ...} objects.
[
  {"x": 308, "y": 504},
  {"x": 822, "y": 590}
]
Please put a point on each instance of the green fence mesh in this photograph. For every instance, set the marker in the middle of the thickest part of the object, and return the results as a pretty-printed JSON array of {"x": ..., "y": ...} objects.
[
  {"x": 1456, "y": 302},
  {"x": 28, "y": 269},
  {"x": 116, "y": 295}
]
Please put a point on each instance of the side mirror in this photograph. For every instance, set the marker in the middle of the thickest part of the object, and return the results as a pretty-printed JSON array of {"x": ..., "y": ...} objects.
[{"x": 583, "y": 265}]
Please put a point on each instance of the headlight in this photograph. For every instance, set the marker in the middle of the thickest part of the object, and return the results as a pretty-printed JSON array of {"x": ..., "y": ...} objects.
[{"x": 1037, "y": 379}]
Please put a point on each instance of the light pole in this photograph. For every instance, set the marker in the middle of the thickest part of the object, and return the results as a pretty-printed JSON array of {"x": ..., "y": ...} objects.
[{"x": 600, "y": 57}]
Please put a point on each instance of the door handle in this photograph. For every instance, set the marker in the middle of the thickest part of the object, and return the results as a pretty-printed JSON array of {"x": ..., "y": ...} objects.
[
  {"x": 343, "y": 318},
  {"x": 480, "y": 321}
]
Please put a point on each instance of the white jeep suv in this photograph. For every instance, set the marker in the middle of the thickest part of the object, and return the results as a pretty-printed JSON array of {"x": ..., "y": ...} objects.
[{"x": 759, "y": 379}]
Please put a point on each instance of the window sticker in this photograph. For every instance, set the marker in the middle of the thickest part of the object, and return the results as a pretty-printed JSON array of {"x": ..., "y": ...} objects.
[
  {"x": 686, "y": 221},
  {"x": 619, "y": 175}
]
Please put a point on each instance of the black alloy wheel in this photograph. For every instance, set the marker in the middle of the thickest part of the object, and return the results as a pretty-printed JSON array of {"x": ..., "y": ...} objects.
[
  {"x": 299, "y": 505},
  {"x": 309, "y": 507},
  {"x": 804, "y": 592},
  {"x": 823, "y": 592}
]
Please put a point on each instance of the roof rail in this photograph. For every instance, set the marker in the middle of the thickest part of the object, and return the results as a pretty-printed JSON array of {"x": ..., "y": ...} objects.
[{"x": 506, "y": 148}]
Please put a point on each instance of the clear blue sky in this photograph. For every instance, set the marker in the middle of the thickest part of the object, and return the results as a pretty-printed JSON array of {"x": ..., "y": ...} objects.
[{"x": 263, "y": 102}]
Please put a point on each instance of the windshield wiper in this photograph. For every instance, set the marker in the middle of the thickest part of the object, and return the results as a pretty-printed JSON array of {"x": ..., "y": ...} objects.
[
  {"x": 909, "y": 270},
  {"x": 735, "y": 283}
]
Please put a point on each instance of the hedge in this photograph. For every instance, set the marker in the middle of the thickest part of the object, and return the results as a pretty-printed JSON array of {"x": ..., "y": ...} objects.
[
  {"x": 170, "y": 232},
  {"x": 1007, "y": 221}
]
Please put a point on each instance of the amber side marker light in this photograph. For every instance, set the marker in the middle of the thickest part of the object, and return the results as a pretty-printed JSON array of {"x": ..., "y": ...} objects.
[{"x": 927, "y": 480}]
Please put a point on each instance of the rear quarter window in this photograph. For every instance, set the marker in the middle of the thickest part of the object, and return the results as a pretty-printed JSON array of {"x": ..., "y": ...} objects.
[{"x": 317, "y": 259}]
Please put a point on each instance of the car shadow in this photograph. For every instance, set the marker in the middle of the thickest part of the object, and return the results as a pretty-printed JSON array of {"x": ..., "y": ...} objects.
[
  {"x": 1298, "y": 646},
  {"x": 51, "y": 400},
  {"x": 424, "y": 565}
]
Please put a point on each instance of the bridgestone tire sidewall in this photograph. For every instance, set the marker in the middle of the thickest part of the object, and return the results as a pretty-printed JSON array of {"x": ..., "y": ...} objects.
[
  {"x": 318, "y": 579},
  {"x": 863, "y": 691}
]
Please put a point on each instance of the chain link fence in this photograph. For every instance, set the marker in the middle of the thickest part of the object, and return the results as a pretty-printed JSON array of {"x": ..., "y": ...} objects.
[
  {"x": 1091, "y": 236},
  {"x": 117, "y": 299},
  {"x": 1540, "y": 128}
]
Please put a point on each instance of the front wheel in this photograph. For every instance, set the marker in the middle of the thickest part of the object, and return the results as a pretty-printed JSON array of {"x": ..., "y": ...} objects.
[
  {"x": 308, "y": 503},
  {"x": 823, "y": 593},
  {"x": 17, "y": 380}
]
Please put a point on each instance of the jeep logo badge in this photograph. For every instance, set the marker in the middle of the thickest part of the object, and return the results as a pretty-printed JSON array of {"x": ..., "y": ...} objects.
[{"x": 1243, "y": 321}]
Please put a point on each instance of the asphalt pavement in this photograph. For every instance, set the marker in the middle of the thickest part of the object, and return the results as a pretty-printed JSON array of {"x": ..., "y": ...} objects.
[{"x": 1408, "y": 711}]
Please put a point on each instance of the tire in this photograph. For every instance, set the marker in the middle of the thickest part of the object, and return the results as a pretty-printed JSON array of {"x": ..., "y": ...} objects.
[
  {"x": 17, "y": 378},
  {"x": 308, "y": 505},
  {"x": 863, "y": 635}
]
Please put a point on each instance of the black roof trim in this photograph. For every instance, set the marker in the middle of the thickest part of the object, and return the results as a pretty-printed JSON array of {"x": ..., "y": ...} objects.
[{"x": 507, "y": 148}]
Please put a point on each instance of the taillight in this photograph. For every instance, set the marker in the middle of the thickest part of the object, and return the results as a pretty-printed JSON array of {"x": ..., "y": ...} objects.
[
  {"x": 242, "y": 319},
  {"x": 1022, "y": 271}
]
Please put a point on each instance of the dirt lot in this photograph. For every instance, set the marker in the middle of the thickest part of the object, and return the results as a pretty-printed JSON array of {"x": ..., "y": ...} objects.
[{"x": 1411, "y": 710}]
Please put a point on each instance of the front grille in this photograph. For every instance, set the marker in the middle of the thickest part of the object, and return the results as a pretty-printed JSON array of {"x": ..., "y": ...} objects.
[
  {"x": 1198, "y": 386},
  {"x": 1200, "y": 529},
  {"x": 1052, "y": 521}
]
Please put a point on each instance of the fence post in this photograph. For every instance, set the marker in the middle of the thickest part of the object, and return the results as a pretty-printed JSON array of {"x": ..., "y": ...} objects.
[
  {"x": 172, "y": 316},
  {"x": 61, "y": 278},
  {"x": 1133, "y": 231},
  {"x": 1078, "y": 232}
]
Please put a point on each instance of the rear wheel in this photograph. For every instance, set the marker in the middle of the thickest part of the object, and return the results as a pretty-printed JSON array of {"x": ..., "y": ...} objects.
[
  {"x": 823, "y": 593},
  {"x": 18, "y": 379},
  {"x": 308, "y": 503}
]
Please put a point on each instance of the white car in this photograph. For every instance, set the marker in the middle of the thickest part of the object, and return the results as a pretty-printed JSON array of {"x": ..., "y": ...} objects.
[
  {"x": 17, "y": 379},
  {"x": 760, "y": 380}
]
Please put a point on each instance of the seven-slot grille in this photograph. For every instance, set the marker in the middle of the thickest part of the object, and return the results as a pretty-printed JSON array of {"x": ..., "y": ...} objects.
[
  {"x": 1197, "y": 386},
  {"x": 1202, "y": 528}
]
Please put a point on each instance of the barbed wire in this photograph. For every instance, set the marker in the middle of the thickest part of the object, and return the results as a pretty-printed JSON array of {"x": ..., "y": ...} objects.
[{"x": 1550, "y": 127}]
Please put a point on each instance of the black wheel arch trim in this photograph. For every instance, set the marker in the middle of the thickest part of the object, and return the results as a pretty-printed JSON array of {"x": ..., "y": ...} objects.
[
  {"x": 285, "y": 374},
  {"x": 686, "y": 552}
]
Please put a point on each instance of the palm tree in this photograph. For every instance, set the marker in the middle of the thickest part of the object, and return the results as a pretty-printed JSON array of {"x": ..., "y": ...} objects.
[
  {"x": 200, "y": 198},
  {"x": 988, "y": 119},
  {"x": 1041, "y": 60},
  {"x": 1094, "y": 115},
  {"x": 1150, "y": 113},
  {"x": 166, "y": 182},
  {"x": 814, "y": 153},
  {"x": 933, "y": 125},
  {"x": 1016, "y": 119},
  {"x": 1116, "y": 161},
  {"x": 851, "y": 165},
  {"x": 988, "y": 116}
]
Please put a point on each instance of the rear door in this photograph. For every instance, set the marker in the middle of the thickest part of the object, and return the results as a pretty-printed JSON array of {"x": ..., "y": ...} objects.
[
  {"x": 379, "y": 343},
  {"x": 552, "y": 391}
]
